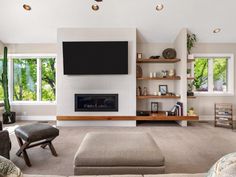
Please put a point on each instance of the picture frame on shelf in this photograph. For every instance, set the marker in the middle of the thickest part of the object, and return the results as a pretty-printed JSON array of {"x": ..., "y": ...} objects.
[
  {"x": 163, "y": 89},
  {"x": 154, "y": 107}
]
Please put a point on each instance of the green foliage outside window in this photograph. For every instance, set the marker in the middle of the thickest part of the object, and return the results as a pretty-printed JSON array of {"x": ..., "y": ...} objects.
[
  {"x": 201, "y": 74},
  {"x": 220, "y": 74},
  {"x": 219, "y": 71},
  {"x": 25, "y": 79},
  {"x": 48, "y": 79}
]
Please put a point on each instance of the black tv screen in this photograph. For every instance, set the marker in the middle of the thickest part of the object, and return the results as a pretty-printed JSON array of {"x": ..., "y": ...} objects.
[{"x": 98, "y": 57}]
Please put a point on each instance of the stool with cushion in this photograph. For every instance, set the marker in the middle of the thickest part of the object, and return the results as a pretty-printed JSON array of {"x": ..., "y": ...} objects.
[{"x": 35, "y": 135}]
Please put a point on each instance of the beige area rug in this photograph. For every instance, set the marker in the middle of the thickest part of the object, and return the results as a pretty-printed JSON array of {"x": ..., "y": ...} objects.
[{"x": 189, "y": 150}]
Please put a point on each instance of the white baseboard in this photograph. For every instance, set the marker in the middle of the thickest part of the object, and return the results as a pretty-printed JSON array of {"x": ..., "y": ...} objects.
[{"x": 36, "y": 118}]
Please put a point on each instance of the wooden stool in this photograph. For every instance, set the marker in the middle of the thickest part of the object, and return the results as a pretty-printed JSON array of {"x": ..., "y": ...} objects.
[{"x": 35, "y": 135}]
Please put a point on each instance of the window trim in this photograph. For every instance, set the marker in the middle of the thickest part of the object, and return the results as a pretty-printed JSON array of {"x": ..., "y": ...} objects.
[
  {"x": 230, "y": 73},
  {"x": 11, "y": 78}
]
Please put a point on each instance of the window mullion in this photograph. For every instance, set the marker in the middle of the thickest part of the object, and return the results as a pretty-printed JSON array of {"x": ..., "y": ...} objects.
[
  {"x": 210, "y": 75},
  {"x": 39, "y": 78}
]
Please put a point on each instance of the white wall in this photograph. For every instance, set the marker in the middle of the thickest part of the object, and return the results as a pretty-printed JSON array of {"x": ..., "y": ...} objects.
[
  {"x": 204, "y": 105},
  {"x": 124, "y": 85},
  {"x": 1, "y": 47}
]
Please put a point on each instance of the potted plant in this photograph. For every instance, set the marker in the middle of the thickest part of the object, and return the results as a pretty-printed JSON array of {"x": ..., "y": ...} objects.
[
  {"x": 190, "y": 89},
  {"x": 191, "y": 40},
  {"x": 8, "y": 116}
]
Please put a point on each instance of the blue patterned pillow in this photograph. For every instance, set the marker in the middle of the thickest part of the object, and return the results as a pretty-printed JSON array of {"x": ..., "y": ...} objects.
[{"x": 225, "y": 167}]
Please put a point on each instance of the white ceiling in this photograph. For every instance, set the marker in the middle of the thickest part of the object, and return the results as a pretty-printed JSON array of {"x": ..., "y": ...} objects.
[{"x": 40, "y": 25}]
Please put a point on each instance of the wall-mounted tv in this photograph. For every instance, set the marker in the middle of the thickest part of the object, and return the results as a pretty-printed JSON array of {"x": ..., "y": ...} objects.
[{"x": 95, "y": 57}]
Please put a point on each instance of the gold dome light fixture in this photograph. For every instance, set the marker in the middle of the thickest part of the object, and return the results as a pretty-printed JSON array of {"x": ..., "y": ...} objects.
[
  {"x": 217, "y": 30},
  {"x": 95, "y": 7},
  {"x": 159, "y": 7},
  {"x": 27, "y": 7}
]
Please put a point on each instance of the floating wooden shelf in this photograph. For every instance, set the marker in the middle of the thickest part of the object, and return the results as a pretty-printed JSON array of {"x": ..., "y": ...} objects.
[
  {"x": 190, "y": 78},
  {"x": 160, "y": 60},
  {"x": 157, "y": 97},
  {"x": 191, "y": 97},
  {"x": 159, "y": 117},
  {"x": 159, "y": 78},
  {"x": 190, "y": 60}
]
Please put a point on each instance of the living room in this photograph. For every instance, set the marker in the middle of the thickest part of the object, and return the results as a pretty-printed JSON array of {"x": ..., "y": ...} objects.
[{"x": 135, "y": 87}]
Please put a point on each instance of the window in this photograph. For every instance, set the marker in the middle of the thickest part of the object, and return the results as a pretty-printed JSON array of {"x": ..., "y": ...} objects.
[
  {"x": 213, "y": 74},
  {"x": 32, "y": 79}
]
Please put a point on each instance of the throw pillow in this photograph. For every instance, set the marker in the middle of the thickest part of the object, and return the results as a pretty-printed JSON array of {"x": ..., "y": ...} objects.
[
  {"x": 8, "y": 168},
  {"x": 224, "y": 167}
]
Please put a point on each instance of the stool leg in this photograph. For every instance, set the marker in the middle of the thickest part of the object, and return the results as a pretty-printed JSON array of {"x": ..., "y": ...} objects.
[
  {"x": 52, "y": 149},
  {"x": 44, "y": 145},
  {"x": 22, "y": 150},
  {"x": 20, "y": 142}
]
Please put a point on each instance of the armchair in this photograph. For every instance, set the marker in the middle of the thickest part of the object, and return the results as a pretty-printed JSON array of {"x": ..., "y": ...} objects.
[{"x": 5, "y": 143}]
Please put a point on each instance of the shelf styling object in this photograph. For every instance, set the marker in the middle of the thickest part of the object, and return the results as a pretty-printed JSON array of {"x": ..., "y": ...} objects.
[
  {"x": 224, "y": 115},
  {"x": 154, "y": 57},
  {"x": 139, "y": 71},
  {"x": 139, "y": 55},
  {"x": 169, "y": 53},
  {"x": 8, "y": 116},
  {"x": 191, "y": 40},
  {"x": 154, "y": 107}
]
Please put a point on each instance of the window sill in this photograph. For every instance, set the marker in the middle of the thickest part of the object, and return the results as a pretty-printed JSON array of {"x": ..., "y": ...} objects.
[
  {"x": 213, "y": 94},
  {"x": 33, "y": 103}
]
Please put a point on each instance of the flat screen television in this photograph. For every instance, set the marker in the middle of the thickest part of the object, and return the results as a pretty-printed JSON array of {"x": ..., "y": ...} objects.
[{"x": 95, "y": 57}]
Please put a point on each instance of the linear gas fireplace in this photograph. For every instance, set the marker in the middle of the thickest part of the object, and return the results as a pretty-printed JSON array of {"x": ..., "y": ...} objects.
[{"x": 96, "y": 102}]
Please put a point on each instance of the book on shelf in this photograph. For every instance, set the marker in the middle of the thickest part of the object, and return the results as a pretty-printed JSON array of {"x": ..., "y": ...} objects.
[{"x": 177, "y": 109}]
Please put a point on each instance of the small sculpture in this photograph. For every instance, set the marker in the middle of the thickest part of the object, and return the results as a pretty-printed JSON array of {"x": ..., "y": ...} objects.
[
  {"x": 139, "y": 91},
  {"x": 145, "y": 92},
  {"x": 171, "y": 72},
  {"x": 164, "y": 73}
]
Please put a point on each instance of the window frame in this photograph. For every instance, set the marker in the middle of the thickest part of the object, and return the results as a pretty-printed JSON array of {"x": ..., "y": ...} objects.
[
  {"x": 39, "y": 76},
  {"x": 230, "y": 74}
]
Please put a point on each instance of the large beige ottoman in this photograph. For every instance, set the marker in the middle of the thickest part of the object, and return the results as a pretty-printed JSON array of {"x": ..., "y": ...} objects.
[{"x": 118, "y": 153}]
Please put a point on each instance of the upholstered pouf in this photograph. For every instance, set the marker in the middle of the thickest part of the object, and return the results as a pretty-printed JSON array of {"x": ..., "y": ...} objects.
[{"x": 118, "y": 153}]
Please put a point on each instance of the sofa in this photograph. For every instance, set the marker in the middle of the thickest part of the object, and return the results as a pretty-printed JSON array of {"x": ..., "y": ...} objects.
[
  {"x": 5, "y": 143},
  {"x": 160, "y": 175}
]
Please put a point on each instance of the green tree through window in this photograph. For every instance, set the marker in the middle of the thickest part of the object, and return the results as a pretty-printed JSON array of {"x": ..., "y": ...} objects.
[
  {"x": 201, "y": 74},
  {"x": 25, "y": 79},
  {"x": 211, "y": 73},
  {"x": 48, "y": 79}
]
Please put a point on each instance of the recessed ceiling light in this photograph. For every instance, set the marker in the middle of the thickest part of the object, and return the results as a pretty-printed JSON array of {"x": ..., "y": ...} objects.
[
  {"x": 98, "y": 0},
  {"x": 159, "y": 7},
  {"x": 27, "y": 7},
  {"x": 217, "y": 30},
  {"x": 95, "y": 7}
]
